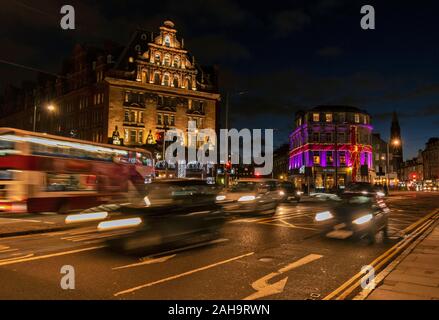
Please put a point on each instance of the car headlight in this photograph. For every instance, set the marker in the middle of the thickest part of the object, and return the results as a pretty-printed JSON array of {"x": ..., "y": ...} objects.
[
  {"x": 281, "y": 193},
  {"x": 246, "y": 198},
  {"x": 363, "y": 219},
  {"x": 322, "y": 216},
  {"x": 299, "y": 193},
  {"x": 380, "y": 194},
  {"x": 220, "y": 198}
]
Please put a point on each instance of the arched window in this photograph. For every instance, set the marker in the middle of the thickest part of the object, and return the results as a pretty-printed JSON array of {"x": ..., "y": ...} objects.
[
  {"x": 166, "y": 80},
  {"x": 176, "y": 82},
  {"x": 157, "y": 57},
  {"x": 144, "y": 76},
  {"x": 167, "y": 60},
  {"x": 176, "y": 61},
  {"x": 157, "y": 78},
  {"x": 167, "y": 41},
  {"x": 187, "y": 83}
]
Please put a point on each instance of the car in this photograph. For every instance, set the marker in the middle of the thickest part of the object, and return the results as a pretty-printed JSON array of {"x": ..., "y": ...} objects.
[
  {"x": 258, "y": 195},
  {"x": 355, "y": 215},
  {"x": 365, "y": 188},
  {"x": 172, "y": 213},
  {"x": 288, "y": 191}
]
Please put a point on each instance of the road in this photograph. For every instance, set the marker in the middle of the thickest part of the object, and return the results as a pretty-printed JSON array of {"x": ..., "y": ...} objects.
[{"x": 279, "y": 257}]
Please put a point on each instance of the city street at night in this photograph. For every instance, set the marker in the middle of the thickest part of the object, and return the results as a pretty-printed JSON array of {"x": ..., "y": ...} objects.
[{"x": 305, "y": 264}]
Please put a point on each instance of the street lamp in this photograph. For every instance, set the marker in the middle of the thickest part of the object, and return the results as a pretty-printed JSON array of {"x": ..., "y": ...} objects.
[{"x": 51, "y": 108}]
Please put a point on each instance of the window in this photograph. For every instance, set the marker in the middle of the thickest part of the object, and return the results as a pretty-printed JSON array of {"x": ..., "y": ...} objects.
[
  {"x": 127, "y": 116},
  {"x": 176, "y": 85},
  {"x": 316, "y": 157},
  {"x": 357, "y": 118},
  {"x": 329, "y": 158},
  {"x": 156, "y": 78},
  {"x": 133, "y": 116},
  {"x": 159, "y": 119},
  {"x": 140, "y": 137},
  {"x": 341, "y": 117},
  {"x": 166, "y": 120},
  {"x": 316, "y": 117},
  {"x": 328, "y": 117},
  {"x": 341, "y": 137},
  {"x": 328, "y": 137},
  {"x": 315, "y": 137},
  {"x": 365, "y": 119},
  {"x": 177, "y": 62},
  {"x": 141, "y": 117},
  {"x": 342, "y": 158},
  {"x": 167, "y": 60},
  {"x": 157, "y": 58},
  {"x": 167, "y": 41},
  {"x": 166, "y": 80},
  {"x": 133, "y": 136},
  {"x": 172, "y": 121},
  {"x": 377, "y": 157}
]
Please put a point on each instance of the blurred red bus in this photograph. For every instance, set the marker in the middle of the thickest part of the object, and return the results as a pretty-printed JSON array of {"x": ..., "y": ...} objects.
[{"x": 47, "y": 173}]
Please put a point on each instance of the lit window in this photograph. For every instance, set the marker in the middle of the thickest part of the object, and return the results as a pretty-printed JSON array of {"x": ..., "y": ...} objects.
[
  {"x": 329, "y": 117},
  {"x": 167, "y": 41},
  {"x": 167, "y": 60},
  {"x": 315, "y": 117},
  {"x": 357, "y": 118},
  {"x": 176, "y": 62},
  {"x": 316, "y": 158},
  {"x": 329, "y": 158},
  {"x": 140, "y": 136},
  {"x": 159, "y": 119}
]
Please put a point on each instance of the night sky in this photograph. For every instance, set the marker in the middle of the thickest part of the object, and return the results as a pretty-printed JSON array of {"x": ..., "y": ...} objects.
[{"x": 285, "y": 55}]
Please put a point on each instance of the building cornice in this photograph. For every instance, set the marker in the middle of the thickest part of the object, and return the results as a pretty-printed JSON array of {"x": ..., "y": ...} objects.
[{"x": 161, "y": 89}]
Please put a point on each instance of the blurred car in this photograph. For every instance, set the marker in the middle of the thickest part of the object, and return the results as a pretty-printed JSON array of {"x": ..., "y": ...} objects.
[
  {"x": 365, "y": 188},
  {"x": 251, "y": 196},
  {"x": 356, "y": 215},
  {"x": 171, "y": 213},
  {"x": 288, "y": 191}
]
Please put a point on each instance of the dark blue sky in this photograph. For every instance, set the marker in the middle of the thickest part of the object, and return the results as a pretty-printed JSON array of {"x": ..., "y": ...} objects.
[{"x": 286, "y": 55}]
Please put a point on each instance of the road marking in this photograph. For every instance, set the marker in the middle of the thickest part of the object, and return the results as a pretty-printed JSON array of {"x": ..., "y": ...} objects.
[
  {"x": 187, "y": 273},
  {"x": 287, "y": 226},
  {"x": 8, "y": 250},
  {"x": 192, "y": 246},
  {"x": 146, "y": 261},
  {"x": 15, "y": 258},
  {"x": 264, "y": 289},
  {"x": 3, "y": 263}
]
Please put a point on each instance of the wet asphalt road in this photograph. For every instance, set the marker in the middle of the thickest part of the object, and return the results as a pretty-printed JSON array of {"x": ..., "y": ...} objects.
[{"x": 287, "y": 249}]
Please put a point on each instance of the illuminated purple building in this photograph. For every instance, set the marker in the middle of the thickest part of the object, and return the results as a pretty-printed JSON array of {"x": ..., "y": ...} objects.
[{"x": 331, "y": 143}]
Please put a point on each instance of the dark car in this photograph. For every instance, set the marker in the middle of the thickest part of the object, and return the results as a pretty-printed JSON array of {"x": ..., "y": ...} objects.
[
  {"x": 172, "y": 213},
  {"x": 355, "y": 215},
  {"x": 251, "y": 196},
  {"x": 288, "y": 191},
  {"x": 365, "y": 188}
]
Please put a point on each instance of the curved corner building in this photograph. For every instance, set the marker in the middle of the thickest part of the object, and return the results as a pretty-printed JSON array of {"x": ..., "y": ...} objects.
[{"x": 331, "y": 146}]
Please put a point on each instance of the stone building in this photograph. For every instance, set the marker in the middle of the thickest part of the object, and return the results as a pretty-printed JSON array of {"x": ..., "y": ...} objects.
[
  {"x": 126, "y": 95},
  {"x": 431, "y": 160}
]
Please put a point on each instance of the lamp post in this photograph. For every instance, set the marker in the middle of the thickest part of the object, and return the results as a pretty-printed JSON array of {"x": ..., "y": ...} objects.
[{"x": 51, "y": 108}]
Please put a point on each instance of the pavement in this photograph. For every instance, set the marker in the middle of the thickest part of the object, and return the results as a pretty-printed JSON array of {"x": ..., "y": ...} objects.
[
  {"x": 416, "y": 277},
  {"x": 277, "y": 257}
]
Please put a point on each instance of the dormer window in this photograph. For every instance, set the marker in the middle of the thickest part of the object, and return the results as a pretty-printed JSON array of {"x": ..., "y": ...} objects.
[{"x": 167, "y": 41}]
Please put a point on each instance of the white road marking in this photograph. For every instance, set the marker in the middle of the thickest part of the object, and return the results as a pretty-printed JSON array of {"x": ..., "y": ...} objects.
[
  {"x": 146, "y": 261},
  {"x": 15, "y": 258},
  {"x": 19, "y": 260},
  {"x": 264, "y": 289},
  {"x": 193, "y": 246},
  {"x": 187, "y": 273}
]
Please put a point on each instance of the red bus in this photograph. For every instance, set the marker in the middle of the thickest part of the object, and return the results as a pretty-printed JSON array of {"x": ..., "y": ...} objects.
[{"x": 47, "y": 173}]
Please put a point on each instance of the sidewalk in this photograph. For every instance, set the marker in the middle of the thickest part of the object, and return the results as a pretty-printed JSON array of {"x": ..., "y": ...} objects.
[
  {"x": 416, "y": 277},
  {"x": 15, "y": 225}
]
